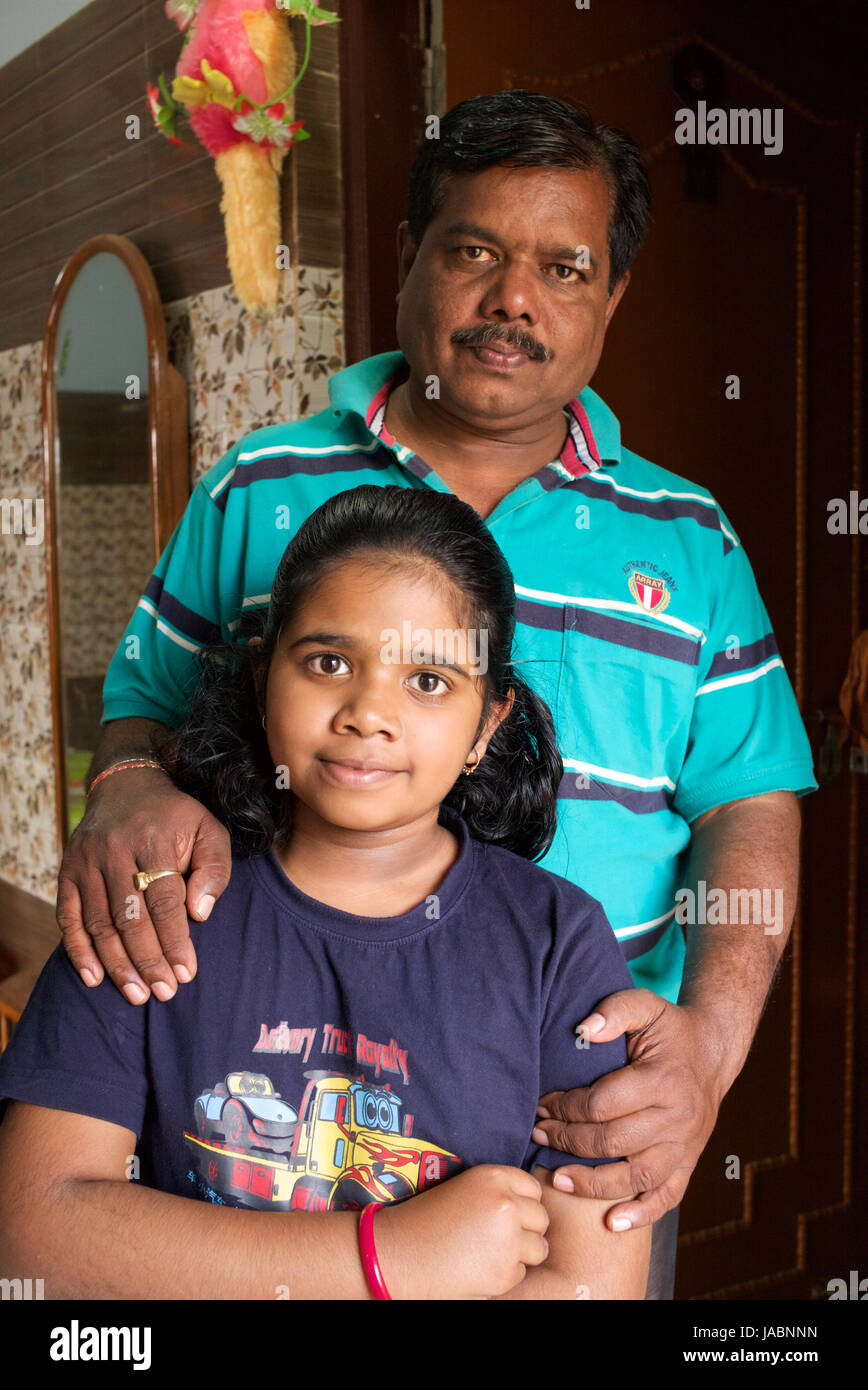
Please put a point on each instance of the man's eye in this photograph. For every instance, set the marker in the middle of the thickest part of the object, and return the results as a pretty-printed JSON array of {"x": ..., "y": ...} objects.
[
  {"x": 327, "y": 668},
  {"x": 469, "y": 252},
  {"x": 570, "y": 271},
  {"x": 430, "y": 680}
]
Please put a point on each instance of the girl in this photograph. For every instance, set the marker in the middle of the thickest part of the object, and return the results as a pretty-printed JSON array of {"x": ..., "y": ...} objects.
[{"x": 385, "y": 988}]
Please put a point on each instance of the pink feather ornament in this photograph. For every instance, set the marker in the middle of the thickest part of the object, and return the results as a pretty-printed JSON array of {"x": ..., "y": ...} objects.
[{"x": 236, "y": 77}]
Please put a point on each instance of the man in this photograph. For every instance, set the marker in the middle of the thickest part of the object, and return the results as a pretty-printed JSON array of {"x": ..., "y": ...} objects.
[{"x": 638, "y": 621}]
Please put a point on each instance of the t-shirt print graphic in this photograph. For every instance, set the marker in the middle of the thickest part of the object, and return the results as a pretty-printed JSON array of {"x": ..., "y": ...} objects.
[{"x": 342, "y": 1150}]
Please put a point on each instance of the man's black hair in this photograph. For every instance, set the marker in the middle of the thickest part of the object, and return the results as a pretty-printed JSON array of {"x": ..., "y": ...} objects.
[{"x": 529, "y": 130}]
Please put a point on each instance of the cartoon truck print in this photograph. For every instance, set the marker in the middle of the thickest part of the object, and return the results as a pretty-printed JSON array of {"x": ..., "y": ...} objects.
[{"x": 345, "y": 1150}]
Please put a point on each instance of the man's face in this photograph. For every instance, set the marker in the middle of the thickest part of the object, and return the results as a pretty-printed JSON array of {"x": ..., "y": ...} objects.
[{"x": 502, "y": 261}]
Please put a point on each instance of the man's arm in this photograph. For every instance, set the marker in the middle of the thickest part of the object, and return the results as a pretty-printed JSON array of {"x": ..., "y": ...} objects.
[
  {"x": 729, "y": 970},
  {"x": 661, "y": 1109},
  {"x": 137, "y": 819}
]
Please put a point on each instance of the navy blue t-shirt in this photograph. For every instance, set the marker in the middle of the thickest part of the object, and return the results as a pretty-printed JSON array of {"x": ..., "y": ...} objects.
[{"x": 321, "y": 1060}]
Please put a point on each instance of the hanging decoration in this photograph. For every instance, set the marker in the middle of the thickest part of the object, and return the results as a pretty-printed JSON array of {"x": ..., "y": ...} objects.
[{"x": 236, "y": 81}]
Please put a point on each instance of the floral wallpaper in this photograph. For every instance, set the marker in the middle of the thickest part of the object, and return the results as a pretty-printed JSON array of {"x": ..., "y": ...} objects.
[
  {"x": 27, "y": 837},
  {"x": 245, "y": 371},
  {"x": 101, "y": 584},
  {"x": 242, "y": 372}
]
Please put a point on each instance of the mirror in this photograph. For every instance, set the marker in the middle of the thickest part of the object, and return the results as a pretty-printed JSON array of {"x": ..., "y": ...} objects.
[{"x": 116, "y": 481}]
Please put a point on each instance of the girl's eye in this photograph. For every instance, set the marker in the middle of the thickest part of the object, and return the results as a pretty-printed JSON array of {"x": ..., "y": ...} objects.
[
  {"x": 328, "y": 669},
  {"x": 430, "y": 680}
]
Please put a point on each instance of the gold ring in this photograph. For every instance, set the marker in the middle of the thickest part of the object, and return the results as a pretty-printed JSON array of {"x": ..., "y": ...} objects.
[{"x": 143, "y": 879}]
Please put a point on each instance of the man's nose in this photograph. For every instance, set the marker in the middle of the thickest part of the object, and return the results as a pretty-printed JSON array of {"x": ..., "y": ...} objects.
[{"x": 511, "y": 292}]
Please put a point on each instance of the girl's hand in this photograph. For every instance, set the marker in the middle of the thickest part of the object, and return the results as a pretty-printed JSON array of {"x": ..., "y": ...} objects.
[{"x": 470, "y": 1237}]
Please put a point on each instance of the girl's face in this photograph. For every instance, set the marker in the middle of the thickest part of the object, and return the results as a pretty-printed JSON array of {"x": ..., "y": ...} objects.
[{"x": 372, "y": 698}]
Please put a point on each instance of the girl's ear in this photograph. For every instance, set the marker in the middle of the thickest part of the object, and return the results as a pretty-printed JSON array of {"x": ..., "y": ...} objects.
[{"x": 499, "y": 712}]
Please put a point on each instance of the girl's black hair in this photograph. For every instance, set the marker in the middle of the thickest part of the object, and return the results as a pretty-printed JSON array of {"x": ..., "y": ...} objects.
[{"x": 220, "y": 754}]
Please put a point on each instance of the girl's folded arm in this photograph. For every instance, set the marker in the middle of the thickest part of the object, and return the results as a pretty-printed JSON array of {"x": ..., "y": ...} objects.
[
  {"x": 586, "y": 1260},
  {"x": 69, "y": 1215}
]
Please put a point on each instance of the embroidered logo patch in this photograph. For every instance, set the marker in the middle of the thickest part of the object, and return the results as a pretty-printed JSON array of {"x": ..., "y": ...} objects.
[{"x": 650, "y": 593}]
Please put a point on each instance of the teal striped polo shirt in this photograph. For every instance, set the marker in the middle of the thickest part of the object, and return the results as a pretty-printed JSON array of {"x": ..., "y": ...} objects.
[{"x": 638, "y": 620}]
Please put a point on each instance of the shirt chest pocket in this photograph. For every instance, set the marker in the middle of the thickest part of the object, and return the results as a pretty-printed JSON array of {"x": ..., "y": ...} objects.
[{"x": 625, "y": 701}]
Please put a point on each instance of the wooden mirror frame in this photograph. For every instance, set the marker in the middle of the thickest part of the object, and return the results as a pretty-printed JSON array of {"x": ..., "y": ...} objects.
[{"x": 167, "y": 459}]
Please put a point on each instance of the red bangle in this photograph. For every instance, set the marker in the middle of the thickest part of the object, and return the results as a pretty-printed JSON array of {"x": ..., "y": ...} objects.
[{"x": 368, "y": 1251}]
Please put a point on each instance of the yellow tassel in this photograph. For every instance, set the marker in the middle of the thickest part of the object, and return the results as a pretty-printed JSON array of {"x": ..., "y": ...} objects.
[
  {"x": 251, "y": 214},
  {"x": 250, "y": 175}
]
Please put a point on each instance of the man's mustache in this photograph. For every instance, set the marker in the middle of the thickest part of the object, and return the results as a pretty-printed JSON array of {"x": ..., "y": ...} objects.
[{"x": 492, "y": 333}]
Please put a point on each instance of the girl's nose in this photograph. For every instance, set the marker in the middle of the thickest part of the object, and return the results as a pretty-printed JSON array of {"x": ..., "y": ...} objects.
[{"x": 369, "y": 708}]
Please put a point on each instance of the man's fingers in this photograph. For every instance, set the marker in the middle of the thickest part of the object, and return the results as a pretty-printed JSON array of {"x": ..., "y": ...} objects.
[
  {"x": 210, "y": 866},
  {"x": 627, "y": 1011},
  {"x": 626, "y": 1134},
  {"x": 634, "y": 1178},
  {"x": 606, "y": 1182},
  {"x": 630, "y": 1216},
  {"x": 172, "y": 950},
  {"x": 108, "y": 945},
  {"x": 618, "y": 1093},
  {"x": 76, "y": 941}
]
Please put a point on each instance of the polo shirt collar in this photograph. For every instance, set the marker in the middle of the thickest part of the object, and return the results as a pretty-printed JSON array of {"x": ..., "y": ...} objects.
[{"x": 594, "y": 439}]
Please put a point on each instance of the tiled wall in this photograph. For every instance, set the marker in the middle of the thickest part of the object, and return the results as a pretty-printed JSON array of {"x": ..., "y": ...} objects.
[{"x": 242, "y": 372}]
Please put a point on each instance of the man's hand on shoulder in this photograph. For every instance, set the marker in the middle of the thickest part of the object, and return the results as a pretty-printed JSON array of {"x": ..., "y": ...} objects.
[{"x": 138, "y": 820}]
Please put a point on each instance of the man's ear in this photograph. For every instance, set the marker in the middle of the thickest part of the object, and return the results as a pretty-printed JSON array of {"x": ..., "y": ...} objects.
[
  {"x": 616, "y": 296},
  {"x": 407, "y": 252}
]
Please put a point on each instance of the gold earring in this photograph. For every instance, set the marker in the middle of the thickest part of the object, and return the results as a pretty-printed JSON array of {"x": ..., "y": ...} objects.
[{"x": 470, "y": 768}]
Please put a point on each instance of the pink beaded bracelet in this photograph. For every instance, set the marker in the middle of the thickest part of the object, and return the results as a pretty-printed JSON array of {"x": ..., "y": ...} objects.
[{"x": 368, "y": 1251}]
